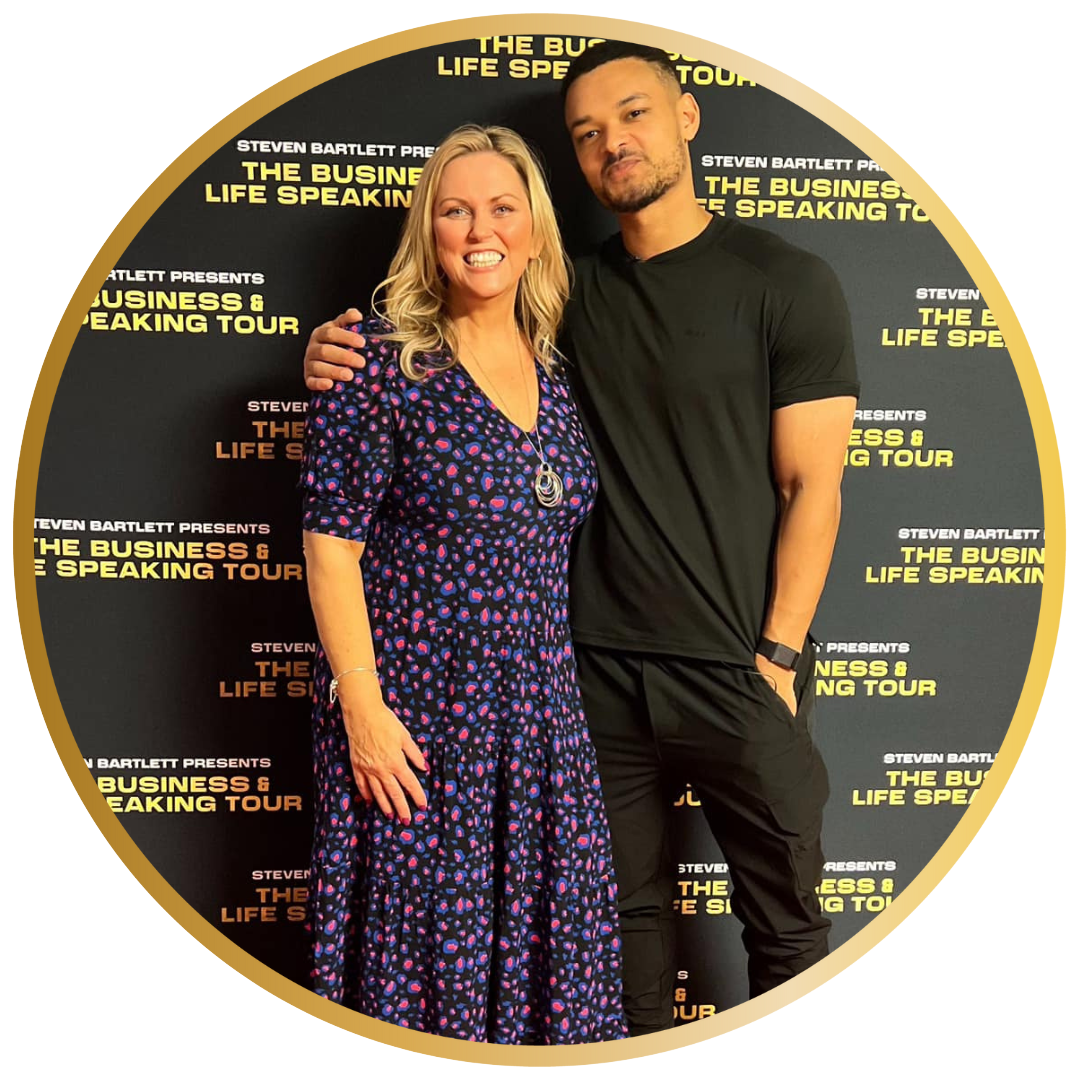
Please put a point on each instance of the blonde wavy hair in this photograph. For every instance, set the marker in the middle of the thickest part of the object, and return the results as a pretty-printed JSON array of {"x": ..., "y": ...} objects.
[{"x": 415, "y": 294}]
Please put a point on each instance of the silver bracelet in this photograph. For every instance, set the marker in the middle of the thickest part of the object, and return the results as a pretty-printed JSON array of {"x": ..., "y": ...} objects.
[{"x": 348, "y": 671}]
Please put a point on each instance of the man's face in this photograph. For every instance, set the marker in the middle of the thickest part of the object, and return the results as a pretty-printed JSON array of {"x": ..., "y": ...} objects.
[{"x": 630, "y": 126}]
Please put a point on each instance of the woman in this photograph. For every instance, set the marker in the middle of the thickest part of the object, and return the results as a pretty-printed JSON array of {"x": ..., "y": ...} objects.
[{"x": 469, "y": 892}]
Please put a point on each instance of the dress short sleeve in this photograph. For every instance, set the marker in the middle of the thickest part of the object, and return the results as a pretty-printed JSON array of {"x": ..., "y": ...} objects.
[
  {"x": 349, "y": 448},
  {"x": 811, "y": 351}
]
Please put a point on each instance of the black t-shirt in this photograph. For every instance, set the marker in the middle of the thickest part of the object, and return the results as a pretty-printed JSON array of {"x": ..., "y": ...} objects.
[{"x": 677, "y": 363}]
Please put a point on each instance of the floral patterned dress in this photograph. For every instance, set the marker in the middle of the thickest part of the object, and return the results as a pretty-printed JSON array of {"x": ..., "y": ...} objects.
[{"x": 492, "y": 915}]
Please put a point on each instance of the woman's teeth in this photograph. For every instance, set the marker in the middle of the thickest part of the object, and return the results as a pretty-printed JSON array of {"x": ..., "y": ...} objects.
[{"x": 483, "y": 258}]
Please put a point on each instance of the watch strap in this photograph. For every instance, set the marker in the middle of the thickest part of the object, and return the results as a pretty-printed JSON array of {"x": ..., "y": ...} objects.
[{"x": 782, "y": 655}]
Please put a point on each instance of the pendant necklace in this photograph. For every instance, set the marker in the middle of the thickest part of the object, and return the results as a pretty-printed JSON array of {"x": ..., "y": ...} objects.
[{"x": 547, "y": 483}]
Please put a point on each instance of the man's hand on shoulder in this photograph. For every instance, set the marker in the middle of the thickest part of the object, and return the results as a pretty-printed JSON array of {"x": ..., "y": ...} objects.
[{"x": 329, "y": 357}]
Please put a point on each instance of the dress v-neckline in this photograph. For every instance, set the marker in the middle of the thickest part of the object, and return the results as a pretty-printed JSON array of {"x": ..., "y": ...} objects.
[{"x": 537, "y": 372}]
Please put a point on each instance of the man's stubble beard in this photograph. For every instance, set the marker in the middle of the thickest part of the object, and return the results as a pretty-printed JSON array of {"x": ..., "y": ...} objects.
[{"x": 664, "y": 177}]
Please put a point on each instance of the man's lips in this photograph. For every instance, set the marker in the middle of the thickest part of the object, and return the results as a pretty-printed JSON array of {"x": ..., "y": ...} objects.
[{"x": 621, "y": 167}]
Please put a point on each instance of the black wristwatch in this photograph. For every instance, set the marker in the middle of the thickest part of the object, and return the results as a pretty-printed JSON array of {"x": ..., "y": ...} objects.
[{"x": 781, "y": 655}]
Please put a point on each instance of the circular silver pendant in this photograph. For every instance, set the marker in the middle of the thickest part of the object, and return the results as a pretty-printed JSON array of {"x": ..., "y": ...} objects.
[{"x": 548, "y": 485}]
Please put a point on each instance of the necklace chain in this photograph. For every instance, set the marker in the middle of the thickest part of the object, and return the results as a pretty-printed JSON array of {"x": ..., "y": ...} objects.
[
  {"x": 547, "y": 484},
  {"x": 499, "y": 397}
]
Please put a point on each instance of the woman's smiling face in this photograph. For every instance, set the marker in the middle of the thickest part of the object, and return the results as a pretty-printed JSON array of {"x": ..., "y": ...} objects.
[{"x": 483, "y": 227}]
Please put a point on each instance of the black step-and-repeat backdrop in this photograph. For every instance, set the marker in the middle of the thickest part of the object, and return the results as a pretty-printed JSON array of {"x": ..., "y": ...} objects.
[{"x": 167, "y": 544}]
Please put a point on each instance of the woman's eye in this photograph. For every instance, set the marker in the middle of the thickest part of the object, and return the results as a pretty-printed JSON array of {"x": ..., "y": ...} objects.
[{"x": 456, "y": 211}]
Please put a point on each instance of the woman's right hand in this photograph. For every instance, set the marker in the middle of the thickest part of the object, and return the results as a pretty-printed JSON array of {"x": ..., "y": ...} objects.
[
  {"x": 381, "y": 749},
  {"x": 329, "y": 357}
]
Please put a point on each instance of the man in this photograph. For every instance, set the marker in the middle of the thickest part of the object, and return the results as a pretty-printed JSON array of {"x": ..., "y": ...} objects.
[{"x": 714, "y": 371}]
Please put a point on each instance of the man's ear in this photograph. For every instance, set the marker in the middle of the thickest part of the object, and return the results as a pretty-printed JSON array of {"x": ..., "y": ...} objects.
[{"x": 689, "y": 115}]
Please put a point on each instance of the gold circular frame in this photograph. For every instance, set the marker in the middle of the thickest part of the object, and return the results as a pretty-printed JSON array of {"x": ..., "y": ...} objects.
[{"x": 882, "y": 924}]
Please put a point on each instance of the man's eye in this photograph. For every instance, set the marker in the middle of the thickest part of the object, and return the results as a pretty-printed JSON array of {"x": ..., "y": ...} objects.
[
  {"x": 586, "y": 136},
  {"x": 635, "y": 113}
]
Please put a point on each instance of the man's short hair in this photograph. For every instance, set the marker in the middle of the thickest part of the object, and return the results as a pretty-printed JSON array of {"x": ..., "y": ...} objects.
[{"x": 603, "y": 52}]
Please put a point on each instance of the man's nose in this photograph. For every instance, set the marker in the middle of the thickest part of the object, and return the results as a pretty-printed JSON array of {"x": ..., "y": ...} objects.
[{"x": 614, "y": 140}]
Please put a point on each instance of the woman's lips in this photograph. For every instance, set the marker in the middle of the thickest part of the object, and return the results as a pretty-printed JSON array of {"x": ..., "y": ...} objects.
[{"x": 489, "y": 262}]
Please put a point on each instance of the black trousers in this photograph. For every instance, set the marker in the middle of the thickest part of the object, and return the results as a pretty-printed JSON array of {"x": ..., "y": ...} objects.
[{"x": 660, "y": 722}]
